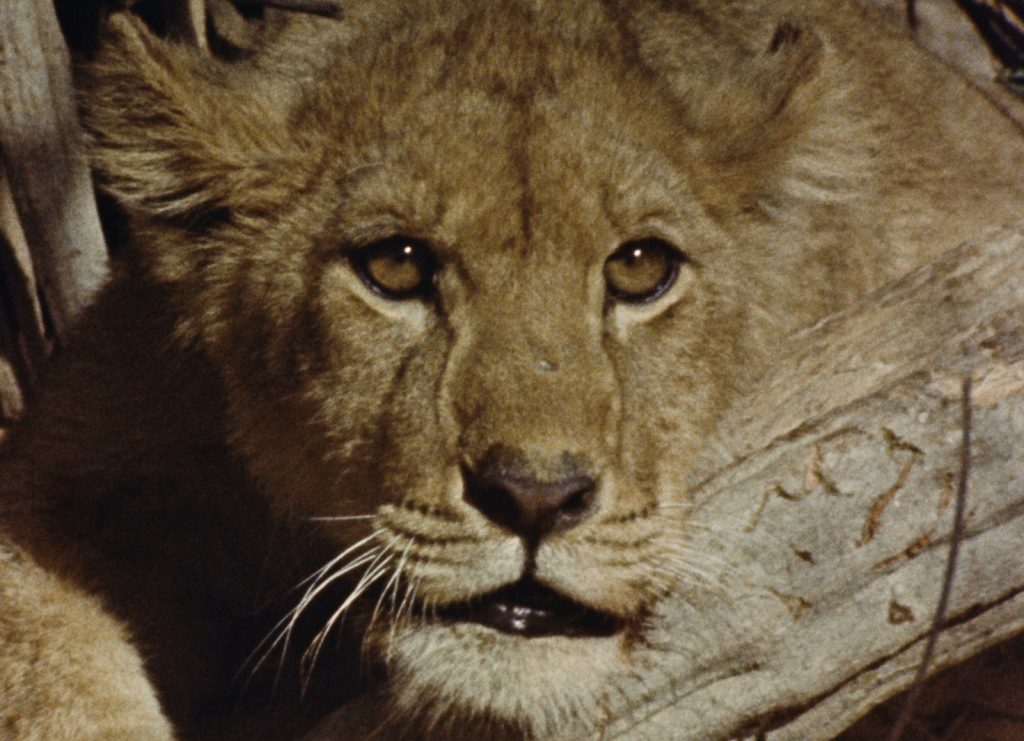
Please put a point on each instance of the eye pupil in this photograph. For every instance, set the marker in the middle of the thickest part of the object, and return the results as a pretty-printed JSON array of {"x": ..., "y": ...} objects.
[
  {"x": 642, "y": 270},
  {"x": 396, "y": 268}
]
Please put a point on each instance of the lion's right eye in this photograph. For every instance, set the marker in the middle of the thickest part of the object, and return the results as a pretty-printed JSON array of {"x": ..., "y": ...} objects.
[
  {"x": 642, "y": 270},
  {"x": 396, "y": 268}
]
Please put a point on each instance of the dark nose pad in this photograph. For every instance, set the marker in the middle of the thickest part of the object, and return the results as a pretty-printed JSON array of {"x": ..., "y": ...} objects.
[{"x": 527, "y": 506}]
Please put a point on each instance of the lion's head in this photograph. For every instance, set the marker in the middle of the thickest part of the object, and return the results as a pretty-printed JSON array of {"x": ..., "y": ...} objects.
[{"x": 478, "y": 281}]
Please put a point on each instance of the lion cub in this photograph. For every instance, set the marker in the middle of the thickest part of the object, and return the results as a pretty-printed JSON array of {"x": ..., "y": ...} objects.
[{"x": 423, "y": 317}]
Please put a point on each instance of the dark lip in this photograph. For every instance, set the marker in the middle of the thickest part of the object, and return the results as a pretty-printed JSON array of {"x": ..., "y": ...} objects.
[{"x": 528, "y": 608}]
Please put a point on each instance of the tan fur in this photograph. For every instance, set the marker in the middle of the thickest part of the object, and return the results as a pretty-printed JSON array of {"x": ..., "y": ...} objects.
[
  {"x": 237, "y": 380},
  {"x": 53, "y": 656}
]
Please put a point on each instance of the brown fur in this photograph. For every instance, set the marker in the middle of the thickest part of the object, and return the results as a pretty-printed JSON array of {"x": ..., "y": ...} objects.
[{"x": 237, "y": 379}]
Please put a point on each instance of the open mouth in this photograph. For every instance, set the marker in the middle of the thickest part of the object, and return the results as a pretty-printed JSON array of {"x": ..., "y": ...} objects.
[{"x": 527, "y": 608}]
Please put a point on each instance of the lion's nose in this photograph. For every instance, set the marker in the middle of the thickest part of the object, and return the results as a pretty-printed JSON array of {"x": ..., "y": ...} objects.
[{"x": 528, "y": 506}]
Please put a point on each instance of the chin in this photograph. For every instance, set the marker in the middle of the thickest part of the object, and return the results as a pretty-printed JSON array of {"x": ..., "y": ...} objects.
[{"x": 447, "y": 676}]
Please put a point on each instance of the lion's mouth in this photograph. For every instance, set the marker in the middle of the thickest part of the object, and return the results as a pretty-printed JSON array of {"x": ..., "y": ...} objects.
[{"x": 529, "y": 609}]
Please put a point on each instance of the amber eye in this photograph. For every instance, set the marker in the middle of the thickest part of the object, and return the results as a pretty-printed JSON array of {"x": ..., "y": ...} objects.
[
  {"x": 396, "y": 268},
  {"x": 642, "y": 270}
]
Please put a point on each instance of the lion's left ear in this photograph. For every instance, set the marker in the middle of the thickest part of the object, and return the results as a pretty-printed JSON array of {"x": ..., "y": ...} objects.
[
  {"x": 758, "y": 105},
  {"x": 734, "y": 82},
  {"x": 168, "y": 137}
]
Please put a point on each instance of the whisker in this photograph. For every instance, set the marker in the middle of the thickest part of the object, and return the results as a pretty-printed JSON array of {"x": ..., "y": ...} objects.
[
  {"x": 290, "y": 620},
  {"x": 718, "y": 523},
  {"x": 410, "y": 590},
  {"x": 376, "y": 569},
  {"x": 312, "y": 591},
  {"x": 409, "y": 601},
  {"x": 392, "y": 586},
  {"x": 694, "y": 579},
  {"x": 394, "y": 583},
  {"x": 311, "y": 654},
  {"x": 327, "y": 567},
  {"x": 716, "y": 577}
]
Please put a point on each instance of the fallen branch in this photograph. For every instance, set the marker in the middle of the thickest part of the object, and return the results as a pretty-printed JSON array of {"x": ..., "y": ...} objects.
[{"x": 42, "y": 156}]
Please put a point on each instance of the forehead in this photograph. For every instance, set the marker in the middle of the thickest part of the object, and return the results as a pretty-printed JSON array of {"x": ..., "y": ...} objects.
[{"x": 501, "y": 127}]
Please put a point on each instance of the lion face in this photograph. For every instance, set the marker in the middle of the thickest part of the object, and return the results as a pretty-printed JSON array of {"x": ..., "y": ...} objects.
[
  {"x": 475, "y": 306},
  {"x": 503, "y": 347}
]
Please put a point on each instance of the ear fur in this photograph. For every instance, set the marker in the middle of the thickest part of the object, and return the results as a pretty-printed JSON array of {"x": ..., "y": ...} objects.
[
  {"x": 169, "y": 137},
  {"x": 756, "y": 102},
  {"x": 723, "y": 84},
  {"x": 765, "y": 90}
]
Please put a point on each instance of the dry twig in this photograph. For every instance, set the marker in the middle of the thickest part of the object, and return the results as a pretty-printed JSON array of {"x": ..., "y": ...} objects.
[{"x": 907, "y": 711}]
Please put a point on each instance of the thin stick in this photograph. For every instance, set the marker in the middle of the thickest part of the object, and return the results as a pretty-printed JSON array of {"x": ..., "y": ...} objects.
[
  {"x": 947, "y": 582},
  {"x": 1000, "y": 25}
]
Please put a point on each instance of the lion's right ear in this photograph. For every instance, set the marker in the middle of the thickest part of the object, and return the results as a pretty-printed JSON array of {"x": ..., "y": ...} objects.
[{"x": 169, "y": 138}]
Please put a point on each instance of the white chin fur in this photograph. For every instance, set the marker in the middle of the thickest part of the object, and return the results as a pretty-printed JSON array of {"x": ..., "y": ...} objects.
[{"x": 543, "y": 685}]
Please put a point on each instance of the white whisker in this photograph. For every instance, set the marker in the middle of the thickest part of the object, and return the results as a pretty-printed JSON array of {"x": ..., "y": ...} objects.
[
  {"x": 310, "y": 656},
  {"x": 396, "y": 613},
  {"x": 283, "y": 628},
  {"x": 330, "y": 564},
  {"x": 391, "y": 585},
  {"x": 292, "y": 617},
  {"x": 374, "y": 571}
]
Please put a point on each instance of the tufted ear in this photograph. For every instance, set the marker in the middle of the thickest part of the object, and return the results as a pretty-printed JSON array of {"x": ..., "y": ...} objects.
[
  {"x": 736, "y": 80},
  {"x": 758, "y": 106},
  {"x": 766, "y": 91},
  {"x": 171, "y": 138}
]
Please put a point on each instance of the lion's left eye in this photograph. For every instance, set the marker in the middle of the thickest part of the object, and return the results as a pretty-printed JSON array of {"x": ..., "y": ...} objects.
[
  {"x": 642, "y": 270},
  {"x": 397, "y": 268}
]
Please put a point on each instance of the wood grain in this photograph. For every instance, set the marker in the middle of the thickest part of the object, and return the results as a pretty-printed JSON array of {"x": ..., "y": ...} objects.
[{"x": 42, "y": 155}]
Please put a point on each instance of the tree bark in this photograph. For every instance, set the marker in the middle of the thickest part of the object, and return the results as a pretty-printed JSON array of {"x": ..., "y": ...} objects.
[
  {"x": 23, "y": 342},
  {"x": 42, "y": 154},
  {"x": 942, "y": 28}
]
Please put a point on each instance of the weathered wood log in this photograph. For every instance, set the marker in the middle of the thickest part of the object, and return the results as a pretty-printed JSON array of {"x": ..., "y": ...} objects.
[
  {"x": 942, "y": 28},
  {"x": 23, "y": 342},
  {"x": 42, "y": 156}
]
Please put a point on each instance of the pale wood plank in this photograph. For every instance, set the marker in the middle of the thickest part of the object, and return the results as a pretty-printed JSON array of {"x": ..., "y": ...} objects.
[{"x": 43, "y": 157}]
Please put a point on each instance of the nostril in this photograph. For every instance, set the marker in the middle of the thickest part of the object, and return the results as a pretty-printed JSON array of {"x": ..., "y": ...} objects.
[
  {"x": 530, "y": 507},
  {"x": 492, "y": 500},
  {"x": 580, "y": 501}
]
